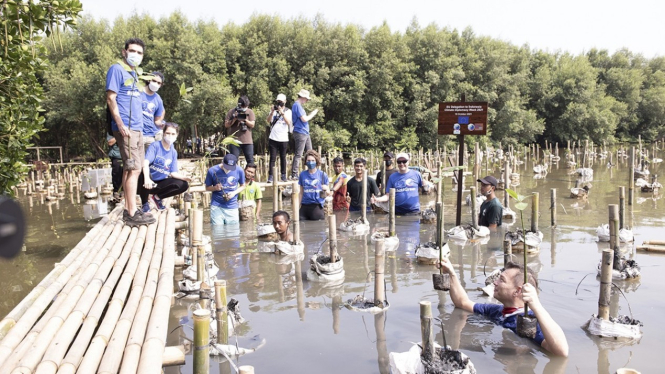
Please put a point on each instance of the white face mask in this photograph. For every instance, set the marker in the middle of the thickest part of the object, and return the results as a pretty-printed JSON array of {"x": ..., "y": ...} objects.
[
  {"x": 170, "y": 139},
  {"x": 134, "y": 59},
  {"x": 153, "y": 86}
]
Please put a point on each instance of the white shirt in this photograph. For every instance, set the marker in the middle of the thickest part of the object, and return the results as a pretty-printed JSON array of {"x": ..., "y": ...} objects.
[{"x": 280, "y": 131}]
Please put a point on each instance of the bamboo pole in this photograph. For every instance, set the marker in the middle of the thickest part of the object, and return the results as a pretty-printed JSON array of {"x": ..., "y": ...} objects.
[
  {"x": 246, "y": 369},
  {"x": 391, "y": 218},
  {"x": 221, "y": 312},
  {"x": 155, "y": 340},
  {"x": 613, "y": 213},
  {"x": 275, "y": 190},
  {"x": 534, "y": 213},
  {"x": 332, "y": 237},
  {"x": 426, "y": 331},
  {"x": 622, "y": 207},
  {"x": 553, "y": 206},
  {"x": 201, "y": 341},
  {"x": 474, "y": 217},
  {"x": 631, "y": 178},
  {"x": 379, "y": 272},
  {"x": 132, "y": 353},
  {"x": 605, "y": 285},
  {"x": 295, "y": 202},
  {"x": 439, "y": 225},
  {"x": 363, "y": 197}
]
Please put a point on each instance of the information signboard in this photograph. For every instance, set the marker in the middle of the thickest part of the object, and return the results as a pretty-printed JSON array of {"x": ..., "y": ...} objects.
[{"x": 463, "y": 118}]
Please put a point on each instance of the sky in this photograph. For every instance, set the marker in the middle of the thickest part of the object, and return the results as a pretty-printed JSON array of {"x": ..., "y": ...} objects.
[{"x": 574, "y": 26}]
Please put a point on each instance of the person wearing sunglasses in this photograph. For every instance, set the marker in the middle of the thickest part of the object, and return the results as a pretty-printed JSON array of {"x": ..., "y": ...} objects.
[
  {"x": 406, "y": 183},
  {"x": 153, "y": 109}
]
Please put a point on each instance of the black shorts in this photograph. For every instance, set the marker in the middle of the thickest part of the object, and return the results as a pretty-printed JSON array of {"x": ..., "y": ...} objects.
[{"x": 311, "y": 212}]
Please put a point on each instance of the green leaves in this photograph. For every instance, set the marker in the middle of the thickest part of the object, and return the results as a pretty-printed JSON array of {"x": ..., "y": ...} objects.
[{"x": 520, "y": 205}]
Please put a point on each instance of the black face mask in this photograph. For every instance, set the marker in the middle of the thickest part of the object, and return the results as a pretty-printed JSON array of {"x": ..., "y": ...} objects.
[{"x": 389, "y": 162}]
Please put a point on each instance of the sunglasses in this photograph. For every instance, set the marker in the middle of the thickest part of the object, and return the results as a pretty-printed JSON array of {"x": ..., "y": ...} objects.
[
  {"x": 402, "y": 161},
  {"x": 158, "y": 82}
]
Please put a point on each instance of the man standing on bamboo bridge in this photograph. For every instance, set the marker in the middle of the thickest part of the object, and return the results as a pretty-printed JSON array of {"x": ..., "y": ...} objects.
[
  {"x": 123, "y": 97},
  {"x": 491, "y": 210},
  {"x": 511, "y": 291}
]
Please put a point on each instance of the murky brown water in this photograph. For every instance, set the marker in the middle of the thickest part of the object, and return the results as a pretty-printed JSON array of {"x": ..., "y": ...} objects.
[{"x": 307, "y": 330}]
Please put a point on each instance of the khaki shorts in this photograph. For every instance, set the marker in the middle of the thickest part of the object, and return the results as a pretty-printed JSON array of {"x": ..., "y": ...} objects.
[{"x": 131, "y": 149}]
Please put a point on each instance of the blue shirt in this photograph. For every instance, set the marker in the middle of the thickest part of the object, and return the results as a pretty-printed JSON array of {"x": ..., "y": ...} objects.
[
  {"x": 407, "y": 199},
  {"x": 230, "y": 182},
  {"x": 311, "y": 186},
  {"x": 299, "y": 126},
  {"x": 162, "y": 161},
  {"x": 124, "y": 84},
  {"x": 494, "y": 312},
  {"x": 152, "y": 107}
]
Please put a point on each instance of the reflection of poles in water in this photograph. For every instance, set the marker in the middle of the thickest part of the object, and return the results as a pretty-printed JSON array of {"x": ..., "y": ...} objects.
[
  {"x": 381, "y": 347},
  {"x": 614, "y": 304},
  {"x": 455, "y": 323},
  {"x": 603, "y": 363},
  {"x": 299, "y": 291},
  {"x": 474, "y": 258},
  {"x": 441, "y": 307},
  {"x": 366, "y": 261},
  {"x": 553, "y": 246},
  {"x": 337, "y": 303},
  {"x": 460, "y": 260},
  {"x": 393, "y": 273}
]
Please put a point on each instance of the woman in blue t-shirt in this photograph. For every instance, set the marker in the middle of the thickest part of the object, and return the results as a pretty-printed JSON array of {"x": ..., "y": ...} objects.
[
  {"x": 160, "y": 175},
  {"x": 312, "y": 181}
]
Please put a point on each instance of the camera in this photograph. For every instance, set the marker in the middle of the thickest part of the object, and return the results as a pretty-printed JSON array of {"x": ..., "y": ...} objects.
[
  {"x": 241, "y": 115},
  {"x": 278, "y": 104}
]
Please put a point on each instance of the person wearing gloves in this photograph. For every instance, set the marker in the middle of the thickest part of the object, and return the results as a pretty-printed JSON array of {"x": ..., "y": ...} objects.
[
  {"x": 160, "y": 177},
  {"x": 225, "y": 181}
]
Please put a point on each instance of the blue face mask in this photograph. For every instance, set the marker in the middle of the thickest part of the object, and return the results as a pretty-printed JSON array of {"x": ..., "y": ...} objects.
[{"x": 311, "y": 164}]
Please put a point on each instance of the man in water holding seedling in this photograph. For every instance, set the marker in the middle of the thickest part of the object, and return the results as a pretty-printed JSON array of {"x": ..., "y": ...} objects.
[
  {"x": 491, "y": 210},
  {"x": 513, "y": 293},
  {"x": 225, "y": 181}
]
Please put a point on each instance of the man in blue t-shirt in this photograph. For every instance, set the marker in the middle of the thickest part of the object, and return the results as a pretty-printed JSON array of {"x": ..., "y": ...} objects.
[
  {"x": 225, "y": 181},
  {"x": 511, "y": 291},
  {"x": 406, "y": 183},
  {"x": 123, "y": 98},
  {"x": 153, "y": 110},
  {"x": 301, "y": 129}
]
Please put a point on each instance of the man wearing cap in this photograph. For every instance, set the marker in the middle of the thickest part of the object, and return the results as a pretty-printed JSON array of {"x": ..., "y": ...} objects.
[
  {"x": 301, "y": 129},
  {"x": 225, "y": 181},
  {"x": 280, "y": 127},
  {"x": 390, "y": 169},
  {"x": 491, "y": 210},
  {"x": 239, "y": 121},
  {"x": 406, "y": 183}
]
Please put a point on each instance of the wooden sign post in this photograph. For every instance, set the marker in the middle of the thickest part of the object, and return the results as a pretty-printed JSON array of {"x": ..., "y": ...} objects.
[{"x": 462, "y": 118}]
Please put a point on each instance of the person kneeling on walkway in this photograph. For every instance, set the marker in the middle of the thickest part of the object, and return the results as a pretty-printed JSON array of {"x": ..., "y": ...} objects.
[
  {"x": 160, "y": 177},
  {"x": 225, "y": 181},
  {"x": 513, "y": 293}
]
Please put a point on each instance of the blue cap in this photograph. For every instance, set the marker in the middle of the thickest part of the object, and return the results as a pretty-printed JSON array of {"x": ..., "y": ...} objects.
[{"x": 230, "y": 160}]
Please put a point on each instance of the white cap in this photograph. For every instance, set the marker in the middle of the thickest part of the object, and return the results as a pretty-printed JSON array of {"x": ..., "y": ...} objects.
[
  {"x": 304, "y": 93},
  {"x": 281, "y": 97},
  {"x": 402, "y": 155}
]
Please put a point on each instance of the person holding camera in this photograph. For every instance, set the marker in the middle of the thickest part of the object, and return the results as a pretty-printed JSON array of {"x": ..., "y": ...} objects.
[
  {"x": 280, "y": 127},
  {"x": 301, "y": 129},
  {"x": 240, "y": 122}
]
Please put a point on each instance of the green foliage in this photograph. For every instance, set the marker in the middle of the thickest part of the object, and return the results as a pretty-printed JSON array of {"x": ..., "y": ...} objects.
[{"x": 24, "y": 27}]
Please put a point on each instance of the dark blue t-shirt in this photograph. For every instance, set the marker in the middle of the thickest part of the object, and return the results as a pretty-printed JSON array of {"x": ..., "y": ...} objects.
[
  {"x": 124, "y": 84},
  {"x": 311, "y": 186},
  {"x": 494, "y": 312},
  {"x": 407, "y": 199},
  {"x": 162, "y": 161},
  {"x": 230, "y": 182},
  {"x": 299, "y": 126},
  {"x": 153, "y": 106}
]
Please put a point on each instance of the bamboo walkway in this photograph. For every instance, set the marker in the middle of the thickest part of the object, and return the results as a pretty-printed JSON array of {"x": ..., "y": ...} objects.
[{"x": 103, "y": 309}]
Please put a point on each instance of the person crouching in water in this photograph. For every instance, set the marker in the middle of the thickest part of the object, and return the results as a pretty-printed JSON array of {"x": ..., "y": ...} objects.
[
  {"x": 160, "y": 177},
  {"x": 281, "y": 222},
  {"x": 312, "y": 182},
  {"x": 225, "y": 181}
]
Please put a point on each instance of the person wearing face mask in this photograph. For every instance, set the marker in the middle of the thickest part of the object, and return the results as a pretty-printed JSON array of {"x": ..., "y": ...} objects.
[
  {"x": 153, "y": 109},
  {"x": 123, "y": 99},
  {"x": 390, "y": 170},
  {"x": 491, "y": 210},
  {"x": 160, "y": 177},
  {"x": 313, "y": 183},
  {"x": 239, "y": 122}
]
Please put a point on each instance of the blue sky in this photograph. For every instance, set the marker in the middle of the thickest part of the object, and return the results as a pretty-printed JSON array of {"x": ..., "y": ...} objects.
[{"x": 563, "y": 25}]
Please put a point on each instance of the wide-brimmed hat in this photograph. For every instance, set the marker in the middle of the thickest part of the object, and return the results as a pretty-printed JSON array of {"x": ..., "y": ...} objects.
[
  {"x": 304, "y": 93},
  {"x": 489, "y": 180},
  {"x": 230, "y": 160}
]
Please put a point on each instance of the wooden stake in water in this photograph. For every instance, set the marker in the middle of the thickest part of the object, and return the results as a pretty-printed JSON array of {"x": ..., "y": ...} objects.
[
  {"x": 275, "y": 190},
  {"x": 534, "y": 214},
  {"x": 622, "y": 207},
  {"x": 391, "y": 218},
  {"x": 201, "y": 341},
  {"x": 474, "y": 216},
  {"x": 332, "y": 237},
  {"x": 295, "y": 202},
  {"x": 426, "y": 331},
  {"x": 363, "y": 197},
  {"x": 221, "y": 312},
  {"x": 605, "y": 284},
  {"x": 613, "y": 213},
  {"x": 553, "y": 206},
  {"x": 631, "y": 178},
  {"x": 379, "y": 272}
]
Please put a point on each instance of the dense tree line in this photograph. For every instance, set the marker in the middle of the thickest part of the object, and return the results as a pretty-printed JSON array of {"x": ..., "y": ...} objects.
[{"x": 376, "y": 88}]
